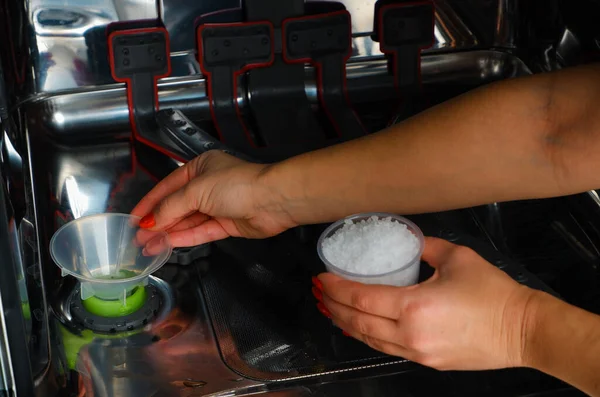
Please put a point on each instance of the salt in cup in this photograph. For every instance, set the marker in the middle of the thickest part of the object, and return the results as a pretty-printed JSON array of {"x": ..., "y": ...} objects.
[{"x": 406, "y": 274}]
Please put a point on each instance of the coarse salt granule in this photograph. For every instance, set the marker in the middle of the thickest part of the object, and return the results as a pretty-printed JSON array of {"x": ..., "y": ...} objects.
[{"x": 371, "y": 246}]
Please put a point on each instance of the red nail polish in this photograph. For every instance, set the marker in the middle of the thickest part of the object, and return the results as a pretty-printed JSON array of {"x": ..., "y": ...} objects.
[
  {"x": 345, "y": 333},
  {"x": 317, "y": 294},
  {"x": 317, "y": 283},
  {"x": 323, "y": 310},
  {"x": 147, "y": 221}
]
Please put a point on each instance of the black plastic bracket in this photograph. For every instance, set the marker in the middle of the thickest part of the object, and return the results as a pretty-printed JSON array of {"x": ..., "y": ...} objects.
[
  {"x": 280, "y": 115},
  {"x": 191, "y": 139},
  {"x": 189, "y": 255},
  {"x": 403, "y": 30},
  {"x": 226, "y": 51},
  {"x": 194, "y": 141},
  {"x": 278, "y": 102},
  {"x": 324, "y": 41},
  {"x": 139, "y": 57}
]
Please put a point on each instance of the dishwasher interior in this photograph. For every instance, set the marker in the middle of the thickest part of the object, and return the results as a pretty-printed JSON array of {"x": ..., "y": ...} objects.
[{"x": 107, "y": 98}]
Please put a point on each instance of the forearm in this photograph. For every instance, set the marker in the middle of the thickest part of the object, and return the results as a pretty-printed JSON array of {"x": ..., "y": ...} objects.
[
  {"x": 564, "y": 341},
  {"x": 498, "y": 143}
]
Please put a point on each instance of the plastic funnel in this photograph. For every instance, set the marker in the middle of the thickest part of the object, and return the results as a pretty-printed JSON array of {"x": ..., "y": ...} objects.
[{"x": 109, "y": 254}]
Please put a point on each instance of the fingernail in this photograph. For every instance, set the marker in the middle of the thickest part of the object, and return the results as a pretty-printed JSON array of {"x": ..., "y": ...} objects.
[
  {"x": 317, "y": 283},
  {"x": 323, "y": 310},
  {"x": 345, "y": 333},
  {"x": 147, "y": 221},
  {"x": 317, "y": 294}
]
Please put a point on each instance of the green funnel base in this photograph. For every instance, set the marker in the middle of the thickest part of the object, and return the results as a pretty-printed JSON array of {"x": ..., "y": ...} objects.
[
  {"x": 113, "y": 316},
  {"x": 116, "y": 308}
]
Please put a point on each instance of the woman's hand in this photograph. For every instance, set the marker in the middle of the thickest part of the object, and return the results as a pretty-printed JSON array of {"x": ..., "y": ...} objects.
[
  {"x": 213, "y": 197},
  {"x": 469, "y": 315}
]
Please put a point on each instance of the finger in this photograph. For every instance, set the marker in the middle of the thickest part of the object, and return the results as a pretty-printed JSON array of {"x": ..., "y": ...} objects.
[
  {"x": 361, "y": 322},
  {"x": 437, "y": 251},
  {"x": 387, "y": 347},
  {"x": 142, "y": 236},
  {"x": 173, "y": 182},
  {"x": 156, "y": 246},
  {"x": 191, "y": 221},
  {"x": 207, "y": 232},
  {"x": 380, "y": 300}
]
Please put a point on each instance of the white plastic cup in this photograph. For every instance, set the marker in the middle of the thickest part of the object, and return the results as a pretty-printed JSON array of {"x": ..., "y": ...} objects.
[
  {"x": 405, "y": 275},
  {"x": 109, "y": 254}
]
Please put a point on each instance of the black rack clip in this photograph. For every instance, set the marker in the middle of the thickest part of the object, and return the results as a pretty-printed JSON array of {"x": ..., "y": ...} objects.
[
  {"x": 403, "y": 30},
  {"x": 226, "y": 51},
  {"x": 324, "y": 41},
  {"x": 185, "y": 256},
  {"x": 139, "y": 55},
  {"x": 272, "y": 42}
]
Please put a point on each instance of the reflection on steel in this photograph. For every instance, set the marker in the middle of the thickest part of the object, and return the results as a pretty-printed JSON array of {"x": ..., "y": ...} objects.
[
  {"x": 75, "y": 180},
  {"x": 491, "y": 218},
  {"x": 177, "y": 349},
  {"x": 7, "y": 380},
  {"x": 104, "y": 112},
  {"x": 569, "y": 48},
  {"x": 75, "y": 121},
  {"x": 73, "y": 110},
  {"x": 507, "y": 22},
  {"x": 595, "y": 196},
  {"x": 175, "y": 353},
  {"x": 40, "y": 359},
  {"x": 450, "y": 30},
  {"x": 69, "y": 42},
  {"x": 15, "y": 368}
]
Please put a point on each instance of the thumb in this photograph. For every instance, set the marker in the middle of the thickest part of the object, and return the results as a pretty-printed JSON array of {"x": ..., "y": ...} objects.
[{"x": 437, "y": 252}]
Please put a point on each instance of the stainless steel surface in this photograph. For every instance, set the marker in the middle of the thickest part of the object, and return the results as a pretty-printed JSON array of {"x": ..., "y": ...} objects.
[
  {"x": 16, "y": 263},
  {"x": 105, "y": 109},
  {"x": 451, "y": 32},
  {"x": 490, "y": 218},
  {"x": 67, "y": 34},
  {"x": 507, "y": 22},
  {"x": 79, "y": 160},
  {"x": 95, "y": 179},
  {"x": 595, "y": 196},
  {"x": 174, "y": 355},
  {"x": 7, "y": 380},
  {"x": 76, "y": 175},
  {"x": 103, "y": 112},
  {"x": 68, "y": 47},
  {"x": 32, "y": 244},
  {"x": 569, "y": 48},
  {"x": 15, "y": 367}
]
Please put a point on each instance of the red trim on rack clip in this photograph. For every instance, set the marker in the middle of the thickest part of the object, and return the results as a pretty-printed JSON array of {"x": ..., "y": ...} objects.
[
  {"x": 318, "y": 66},
  {"x": 236, "y": 73},
  {"x": 127, "y": 81},
  {"x": 395, "y": 55}
]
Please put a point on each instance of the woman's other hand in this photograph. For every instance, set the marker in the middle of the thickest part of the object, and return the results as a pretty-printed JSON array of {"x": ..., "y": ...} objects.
[{"x": 469, "y": 315}]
